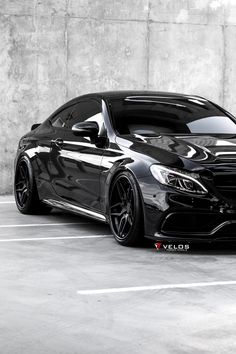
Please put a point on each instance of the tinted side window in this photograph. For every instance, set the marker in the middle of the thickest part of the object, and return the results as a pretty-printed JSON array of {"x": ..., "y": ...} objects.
[
  {"x": 84, "y": 110},
  {"x": 59, "y": 120}
]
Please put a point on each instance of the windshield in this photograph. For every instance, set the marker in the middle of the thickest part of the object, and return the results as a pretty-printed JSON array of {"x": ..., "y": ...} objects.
[{"x": 150, "y": 116}]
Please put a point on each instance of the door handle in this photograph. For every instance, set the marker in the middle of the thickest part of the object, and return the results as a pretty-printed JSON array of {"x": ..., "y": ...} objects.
[{"x": 58, "y": 142}]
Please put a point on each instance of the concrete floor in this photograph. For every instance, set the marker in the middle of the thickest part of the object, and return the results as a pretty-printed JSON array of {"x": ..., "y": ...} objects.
[{"x": 42, "y": 312}]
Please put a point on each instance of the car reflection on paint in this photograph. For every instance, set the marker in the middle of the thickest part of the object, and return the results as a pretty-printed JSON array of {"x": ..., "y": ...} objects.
[{"x": 151, "y": 164}]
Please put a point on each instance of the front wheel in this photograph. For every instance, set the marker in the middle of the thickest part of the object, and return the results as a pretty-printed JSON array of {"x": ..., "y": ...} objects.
[
  {"x": 125, "y": 210},
  {"x": 25, "y": 190}
]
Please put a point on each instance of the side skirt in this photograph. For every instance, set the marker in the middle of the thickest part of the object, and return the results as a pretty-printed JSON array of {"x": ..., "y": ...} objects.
[{"x": 75, "y": 209}]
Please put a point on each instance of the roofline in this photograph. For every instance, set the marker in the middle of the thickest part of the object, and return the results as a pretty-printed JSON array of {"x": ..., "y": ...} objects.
[
  {"x": 109, "y": 95},
  {"x": 124, "y": 93}
]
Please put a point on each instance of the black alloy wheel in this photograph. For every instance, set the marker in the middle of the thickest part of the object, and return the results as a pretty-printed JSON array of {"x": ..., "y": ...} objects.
[
  {"x": 22, "y": 184},
  {"x": 25, "y": 190},
  {"x": 125, "y": 211}
]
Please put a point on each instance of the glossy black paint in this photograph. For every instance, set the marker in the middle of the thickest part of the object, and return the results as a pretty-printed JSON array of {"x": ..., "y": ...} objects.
[{"x": 78, "y": 171}]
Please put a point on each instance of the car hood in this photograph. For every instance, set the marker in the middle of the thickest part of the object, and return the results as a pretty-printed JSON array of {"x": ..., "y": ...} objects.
[{"x": 201, "y": 149}]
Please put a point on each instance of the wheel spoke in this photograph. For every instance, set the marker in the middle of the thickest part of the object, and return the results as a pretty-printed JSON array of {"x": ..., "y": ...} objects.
[
  {"x": 22, "y": 173},
  {"x": 119, "y": 214},
  {"x": 21, "y": 186},
  {"x": 23, "y": 198},
  {"x": 122, "y": 207},
  {"x": 122, "y": 224},
  {"x": 24, "y": 194},
  {"x": 116, "y": 205},
  {"x": 120, "y": 190},
  {"x": 130, "y": 220},
  {"x": 129, "y": 193}
]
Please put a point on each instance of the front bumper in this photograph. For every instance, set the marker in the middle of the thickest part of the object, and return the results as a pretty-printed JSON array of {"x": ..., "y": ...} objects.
[
  {"x": 198, "y": 226},
  {"x": 175, "y": 216}
]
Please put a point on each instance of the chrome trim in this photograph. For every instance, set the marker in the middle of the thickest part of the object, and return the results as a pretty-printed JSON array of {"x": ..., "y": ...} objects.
[{"x": 74, "y": 209}]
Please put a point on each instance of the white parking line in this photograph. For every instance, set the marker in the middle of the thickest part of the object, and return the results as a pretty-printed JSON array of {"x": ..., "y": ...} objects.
[
  {"x": 51, "y": 238},
  {"x": 48, "y": 224},
  {"x": 8, "y": 202},
  {"x": 154, "y": 287}
]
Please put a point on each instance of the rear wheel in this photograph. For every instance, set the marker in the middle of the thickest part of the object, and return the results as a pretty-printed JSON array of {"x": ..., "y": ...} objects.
[
  {"x": 25, "y": 190},
  {"x": 125, "y": 210}
]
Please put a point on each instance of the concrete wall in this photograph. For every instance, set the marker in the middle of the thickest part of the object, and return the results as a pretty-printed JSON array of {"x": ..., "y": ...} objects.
[{"x": 53, "y": 50}]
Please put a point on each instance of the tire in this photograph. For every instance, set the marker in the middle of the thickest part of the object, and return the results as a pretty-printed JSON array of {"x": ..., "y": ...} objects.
[
  {"x": 125, "y": 210},
  {"x": 25, "y": 189}
]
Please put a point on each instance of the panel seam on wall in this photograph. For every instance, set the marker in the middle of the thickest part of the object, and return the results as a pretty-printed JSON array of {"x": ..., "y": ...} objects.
[
  {"x": 86, "y": 18},
  {"x": 66, "y": 49},
  {"x": 36, "y": 25},
  {"x": 224, "y": 61},
  {"x": 148, "y": 45}
]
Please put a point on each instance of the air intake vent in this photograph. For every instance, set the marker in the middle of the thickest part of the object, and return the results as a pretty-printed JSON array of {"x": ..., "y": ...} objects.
[{"x": 226, "y": 185}]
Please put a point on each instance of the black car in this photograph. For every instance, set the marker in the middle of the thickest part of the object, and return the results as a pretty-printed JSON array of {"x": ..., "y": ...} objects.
[{"x": 154, "y": 164}]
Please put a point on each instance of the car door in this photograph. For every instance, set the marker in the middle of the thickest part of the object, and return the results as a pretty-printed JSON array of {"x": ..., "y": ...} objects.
[
  {"x": 56, "y": 170},
  {"x": 77, "y": 160},
  {"x": 45, "y": 137}
]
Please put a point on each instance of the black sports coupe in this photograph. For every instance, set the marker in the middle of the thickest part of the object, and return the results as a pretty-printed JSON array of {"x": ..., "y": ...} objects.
[{"x": 154, "y": 164}]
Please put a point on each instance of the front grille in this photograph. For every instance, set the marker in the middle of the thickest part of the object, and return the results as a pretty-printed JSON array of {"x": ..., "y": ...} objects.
[{"x": 226, "y": 185}]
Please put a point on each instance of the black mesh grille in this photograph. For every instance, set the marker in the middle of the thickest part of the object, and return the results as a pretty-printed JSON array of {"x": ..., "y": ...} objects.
[{"x": 226, "y": 185}]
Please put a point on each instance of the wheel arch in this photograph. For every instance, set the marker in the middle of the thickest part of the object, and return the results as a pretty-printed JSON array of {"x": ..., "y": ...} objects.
[
  {"x": 33, "y": 204},
  {"x": 110, "y": 180},
  {"x": 28, "y": 158}
]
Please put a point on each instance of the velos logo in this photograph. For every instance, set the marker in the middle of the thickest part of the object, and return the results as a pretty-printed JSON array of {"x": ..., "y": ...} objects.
[{"x": 160, "y": 246}]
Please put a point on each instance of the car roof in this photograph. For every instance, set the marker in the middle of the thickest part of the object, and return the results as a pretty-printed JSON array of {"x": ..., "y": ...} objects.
[
  {"x": 122, "y": 94},
  {"x": 110, "y": 95}
]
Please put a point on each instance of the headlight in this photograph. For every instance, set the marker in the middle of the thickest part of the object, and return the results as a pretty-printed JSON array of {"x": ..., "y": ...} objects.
[{"x": 183, "y": 181}]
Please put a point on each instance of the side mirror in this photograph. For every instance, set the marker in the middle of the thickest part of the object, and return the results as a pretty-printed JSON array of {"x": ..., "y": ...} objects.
[
  {"x": 34, "y": 126},
  {"x": 90, "y": 129}
]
